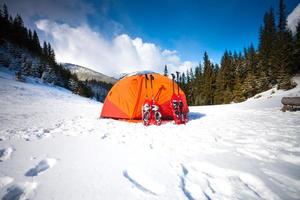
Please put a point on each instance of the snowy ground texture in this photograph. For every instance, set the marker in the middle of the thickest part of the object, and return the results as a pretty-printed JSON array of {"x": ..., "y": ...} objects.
[{"x": 54, "y": 146}]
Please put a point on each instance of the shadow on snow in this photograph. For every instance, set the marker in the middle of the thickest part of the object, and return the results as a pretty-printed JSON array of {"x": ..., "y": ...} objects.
[{"x": 195, "y": 115}]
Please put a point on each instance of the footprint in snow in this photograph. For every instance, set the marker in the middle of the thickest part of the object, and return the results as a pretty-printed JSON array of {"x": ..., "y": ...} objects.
[
  {"x": 183, "y": 186},
  {"x": 104, "y": 136},
  {"x": 20, "y": 191},
  {"x": 201, "y": 180},
  {"x": 5, "y": 154},
  {"x": 142, "y": 182},
  {"x": 41, "y": 167}
]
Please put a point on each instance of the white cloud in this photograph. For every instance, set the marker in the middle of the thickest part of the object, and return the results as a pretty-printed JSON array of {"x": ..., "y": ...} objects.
[
  {"x": 293, "y": 18},
  {"x": 83, "y": 46}
]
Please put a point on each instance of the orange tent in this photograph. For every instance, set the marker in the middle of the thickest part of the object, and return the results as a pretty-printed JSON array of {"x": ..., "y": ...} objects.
[{"x": 126, "y": 97}]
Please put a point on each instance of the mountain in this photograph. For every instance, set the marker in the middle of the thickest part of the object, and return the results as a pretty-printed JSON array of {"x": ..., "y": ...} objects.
[{"x": 84, "y": 73}]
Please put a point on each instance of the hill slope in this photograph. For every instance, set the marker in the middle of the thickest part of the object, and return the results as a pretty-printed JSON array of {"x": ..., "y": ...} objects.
[
  {"x": 84, "y": 73},
  {"x": 54, "y": 146}
]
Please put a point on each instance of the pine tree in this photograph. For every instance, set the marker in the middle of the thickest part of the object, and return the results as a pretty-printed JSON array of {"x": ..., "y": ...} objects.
[
  {"x": 190, "y": 87},
  {"x": 25, "y": 66},
  {"x": 166, "y": 71},
  {"x": 188, "y": 79},
  {"x": 48, "y": 75},
  {"x": 45, "y": 49},
  {"x": 219, "y": 93},
  {"x": 228, "y": 76},
  {"x": 29, "y": 40},
  {"x": 199, "y": 86},
  {"x": 266, "y": 45},
  {"x": 228, "y": 96},
  {"x": 214, "y": 81},
  {"x": 208, "y": 73},
  {"x": 191, "y": 74},
  {"x": 36, "y": 68},
  {"x": 283, "y": 57},
  {"x": 289, "y": 51},
  {"x": 5, "y": 26},
  {"x": 262, "y": 81},
  {"x": 50, "y": 54},
  {"x": 73, "y": 85},
  {"x": 5, "y": 12},
  {"x": 30, "y": 35},
  {"x": 183, "y": 79},
  {"x": 18, "y": 31},
  {"x": 285, "y": 82},
  {"x": 282, "y": 17},
  {"x": 296, "y": 54},
  {"x": 249, "y": 87},
  {"x": 36, "y": 43},
  {"x": 238, "y": 94}
]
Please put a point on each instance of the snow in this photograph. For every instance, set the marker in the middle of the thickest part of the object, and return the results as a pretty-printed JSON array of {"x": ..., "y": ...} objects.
[
  {"x": 57, "y": 148},
  {"x": 141, "y": 73},
  {"x": 5, "y": 180}
]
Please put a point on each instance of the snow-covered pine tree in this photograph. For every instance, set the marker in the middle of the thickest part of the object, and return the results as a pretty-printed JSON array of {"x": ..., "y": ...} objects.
[
  {"x": 25, "y": 65},
  {"x": 36, "y": 68},
  {"x": 238, "y": 94},
  {"x": 262, "y": 81},
  {"x": 48, "y": 75},
  {"x": 284, "y": 80},
  {"x": 249, "y": 87},
  {"x": 5, "y": 59},
  {"x": 73, "y": 85}
]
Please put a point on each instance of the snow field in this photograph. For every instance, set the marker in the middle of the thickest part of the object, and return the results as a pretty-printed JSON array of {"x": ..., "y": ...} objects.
[{"x": 57, "y": 148}]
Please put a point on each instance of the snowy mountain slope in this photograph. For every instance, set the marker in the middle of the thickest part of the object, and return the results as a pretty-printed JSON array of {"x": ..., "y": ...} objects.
[
  {"x": 56, "y": 147},
  {"x": 84, "y": 73},
  {"x": 272, "y": 98}
]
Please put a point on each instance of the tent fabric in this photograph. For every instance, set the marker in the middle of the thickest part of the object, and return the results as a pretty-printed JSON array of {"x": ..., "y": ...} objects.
[{"x": 126, "y": 97}]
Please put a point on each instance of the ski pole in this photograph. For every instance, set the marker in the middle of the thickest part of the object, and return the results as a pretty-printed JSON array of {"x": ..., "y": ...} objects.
[
  {"x": 151, "y": 79},
  {"x": 146, "y": 79},
  {"x": 173, "y": 79},
  {"x": 177, "y": 74}
]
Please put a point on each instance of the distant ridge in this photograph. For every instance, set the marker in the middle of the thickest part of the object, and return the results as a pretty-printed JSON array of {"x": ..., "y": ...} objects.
[{"x": 84, "y": 73}]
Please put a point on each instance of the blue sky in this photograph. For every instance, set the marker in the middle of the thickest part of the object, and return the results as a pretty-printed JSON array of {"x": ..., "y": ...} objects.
[
  {"x": 114, "y": 36},
  {"x": 191, "y": 27}
]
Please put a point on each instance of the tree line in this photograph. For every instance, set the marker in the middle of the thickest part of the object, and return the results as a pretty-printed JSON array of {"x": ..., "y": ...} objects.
[
  {"x": 241, "y": 75},
  {"x": 36, "y": 60}
]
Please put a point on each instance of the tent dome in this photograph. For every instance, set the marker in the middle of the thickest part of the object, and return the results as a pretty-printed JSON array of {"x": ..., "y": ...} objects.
[{"x": 126, "y": 97}]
